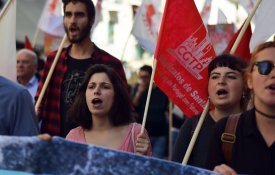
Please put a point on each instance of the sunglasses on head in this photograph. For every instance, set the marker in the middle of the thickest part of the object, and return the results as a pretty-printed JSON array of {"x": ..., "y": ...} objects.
[{"x": 264, "y": 67}]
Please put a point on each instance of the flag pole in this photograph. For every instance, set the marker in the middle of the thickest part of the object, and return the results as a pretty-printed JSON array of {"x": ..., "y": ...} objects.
[
  {"x": 125, "y": 45},
  {"x": 196, "y": 133},
  {"x": 148, "y": 96},
  {"x": 170, "y": 143},
  {"x": 5, "y": 8},
  {"x": 247, "y": 22},
  {"x": 34, "y": 39},
  {"x": 128, "y": 38},
  {"x": 50, "y": 73}
]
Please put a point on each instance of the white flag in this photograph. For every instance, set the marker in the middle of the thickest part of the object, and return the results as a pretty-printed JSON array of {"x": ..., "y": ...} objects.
[
  {"x": 51, "y": 20},
  {"x": 264, "y": 23},
  {"x": 222, "y": 19},
  {"x": 205, "y": 13},
  {"x": 8, "y": 41},
  {"x": 146, "y": 24},
  {"x": 247, "y": 5}
]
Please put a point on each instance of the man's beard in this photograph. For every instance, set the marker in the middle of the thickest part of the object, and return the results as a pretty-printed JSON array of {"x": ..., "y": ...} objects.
[{"x": 83, "y": 34}]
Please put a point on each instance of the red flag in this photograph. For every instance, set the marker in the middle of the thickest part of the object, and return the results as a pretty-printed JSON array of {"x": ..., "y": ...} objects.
[
  {"x": 183, "y": 53},
  {"x": 242, "y": 50},
  {"x": 28, "y": 44}
]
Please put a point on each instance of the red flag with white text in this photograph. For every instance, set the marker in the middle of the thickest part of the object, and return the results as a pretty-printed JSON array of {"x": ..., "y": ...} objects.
[{"x": 183, "y": 53}]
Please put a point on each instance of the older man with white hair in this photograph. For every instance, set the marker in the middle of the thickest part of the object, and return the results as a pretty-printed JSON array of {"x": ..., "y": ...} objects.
[{"x": 26, "y": 68}]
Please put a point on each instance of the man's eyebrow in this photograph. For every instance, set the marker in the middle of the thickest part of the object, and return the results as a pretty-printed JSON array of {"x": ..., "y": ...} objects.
[{"x": 67, "y": 12}]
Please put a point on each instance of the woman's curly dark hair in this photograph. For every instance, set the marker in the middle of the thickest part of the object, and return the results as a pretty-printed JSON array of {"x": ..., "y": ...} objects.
[{"x": 122, "y": 111}]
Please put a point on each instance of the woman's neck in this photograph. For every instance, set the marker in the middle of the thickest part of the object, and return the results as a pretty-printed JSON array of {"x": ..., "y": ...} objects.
[
  {"x": 217, "y": 113},
  {"x": 266, "y": 124},
  {"x": 265, "y": 112},
  {"x": 101, "y": 123}
]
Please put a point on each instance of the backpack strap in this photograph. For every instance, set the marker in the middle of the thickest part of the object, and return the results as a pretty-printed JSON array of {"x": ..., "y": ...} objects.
[{"x": 228, "y": 137}]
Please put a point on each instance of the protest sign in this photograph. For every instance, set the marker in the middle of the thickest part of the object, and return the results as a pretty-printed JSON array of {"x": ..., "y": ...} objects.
[{"x": 59, "y": 156}]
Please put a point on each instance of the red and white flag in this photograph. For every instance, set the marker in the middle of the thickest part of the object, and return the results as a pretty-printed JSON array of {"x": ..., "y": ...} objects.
[
  {"x": 183, "y": 53},
  {"x": 146, "y": 24},
  {"x": 51, "y": 20},
  {"x": 242, "y": 49},
  {"x": 51, "y": 23},
  {"x": 264, "y": 23},
  {"x": 220, "y": 35},
  {"x": 205, "y": 13},
  {"x": 8, "y": 41}
]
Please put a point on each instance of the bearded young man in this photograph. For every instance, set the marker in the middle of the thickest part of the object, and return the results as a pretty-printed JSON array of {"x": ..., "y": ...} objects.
[{"x": 79, "y": 16}]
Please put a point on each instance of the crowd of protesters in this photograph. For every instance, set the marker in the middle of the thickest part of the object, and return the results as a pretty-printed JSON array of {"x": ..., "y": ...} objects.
[{"x": 88, "y": 100}]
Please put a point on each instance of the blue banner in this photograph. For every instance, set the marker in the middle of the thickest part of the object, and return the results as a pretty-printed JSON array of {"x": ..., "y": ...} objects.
[{"x": 59, "y": 156}]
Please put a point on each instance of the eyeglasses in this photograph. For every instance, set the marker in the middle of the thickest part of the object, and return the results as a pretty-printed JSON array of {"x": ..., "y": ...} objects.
[{"x": 264, "y": 67}]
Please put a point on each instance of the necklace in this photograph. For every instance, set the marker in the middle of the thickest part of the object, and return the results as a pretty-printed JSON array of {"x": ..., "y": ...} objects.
[{"x": 264, "y": 114}]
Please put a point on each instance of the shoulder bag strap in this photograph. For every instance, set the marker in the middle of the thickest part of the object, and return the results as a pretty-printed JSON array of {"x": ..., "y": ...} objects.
[{"x": 228, "y": 137}]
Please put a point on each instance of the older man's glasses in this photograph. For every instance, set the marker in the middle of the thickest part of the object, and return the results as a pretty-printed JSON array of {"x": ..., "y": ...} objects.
[{"x": 264, "y": 67}]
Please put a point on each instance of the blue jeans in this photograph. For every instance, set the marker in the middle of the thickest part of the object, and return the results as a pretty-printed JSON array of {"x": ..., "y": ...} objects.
[{"x": 158, "y": 146}]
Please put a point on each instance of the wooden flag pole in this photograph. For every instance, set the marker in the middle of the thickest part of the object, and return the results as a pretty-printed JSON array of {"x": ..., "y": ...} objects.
[
  {"x": 148, "y": 96},
  {"x": 5, "y": 8},
  {"x": 125, "y": 46},
  {"x": 170, "y": 143},
  {"x": 232, "y": 51},
  {"x": 50, "y": 73},
  {"x": 34, "y": 39},
  {"x": 247, "y": 22},
  {"x": 196, "y": 133}
]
